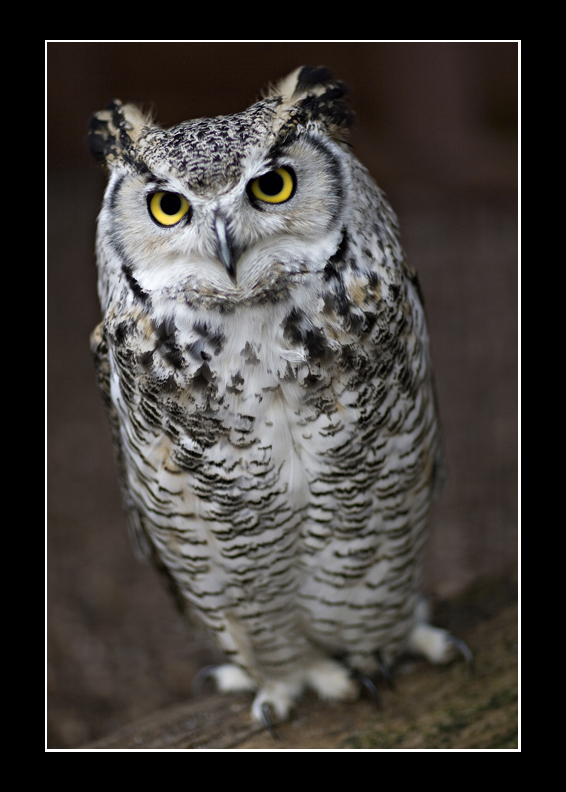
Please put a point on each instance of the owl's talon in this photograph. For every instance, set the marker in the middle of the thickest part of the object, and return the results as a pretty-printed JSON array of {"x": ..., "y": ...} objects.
[
  {"x": 385, "y": 672},
  {"x": 464, "y": 650},
  {"x": 200, "y": 678},
  {"x": 437, "y": 645},
  {"x": 267, "y": 722},
  {"x": 369, "y": 685}
]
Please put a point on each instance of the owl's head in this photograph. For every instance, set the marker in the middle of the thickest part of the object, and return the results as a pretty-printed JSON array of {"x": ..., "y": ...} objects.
[{"x": 228, "y": 205}]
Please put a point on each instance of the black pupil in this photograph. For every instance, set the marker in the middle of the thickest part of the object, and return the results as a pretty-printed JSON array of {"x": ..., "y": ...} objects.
[
  {"x": 170, "y": 204},
  {"x": 271, "y": 183}
]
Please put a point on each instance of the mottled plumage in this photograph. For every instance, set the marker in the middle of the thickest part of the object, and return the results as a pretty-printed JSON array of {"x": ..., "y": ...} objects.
[{"x": 264, "y": 360}]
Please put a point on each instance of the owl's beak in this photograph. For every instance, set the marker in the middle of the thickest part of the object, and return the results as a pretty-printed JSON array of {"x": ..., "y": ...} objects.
[{"x": 225, "y": 248}]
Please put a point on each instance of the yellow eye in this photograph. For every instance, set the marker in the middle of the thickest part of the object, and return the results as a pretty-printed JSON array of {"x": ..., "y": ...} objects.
[
  {"x": 275, "y": 186},
  {"x": 168, "y": 208}
]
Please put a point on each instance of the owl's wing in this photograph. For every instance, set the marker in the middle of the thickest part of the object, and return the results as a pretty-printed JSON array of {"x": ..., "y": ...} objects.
[
  {"x": 141, "y": 542},
  {"x": 99, "y": 349},
  {"x": 439, "y": 471}
]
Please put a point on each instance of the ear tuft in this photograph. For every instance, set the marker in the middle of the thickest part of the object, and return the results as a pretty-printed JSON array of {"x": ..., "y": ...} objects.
[
  {"x": 312, "y": 96},
  {"x": 114, "y": 132},
  {"x": 307, "y": 77}
]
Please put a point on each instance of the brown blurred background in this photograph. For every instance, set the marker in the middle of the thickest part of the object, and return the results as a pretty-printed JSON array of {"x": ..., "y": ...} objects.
[{"x": 437, "y": 127}]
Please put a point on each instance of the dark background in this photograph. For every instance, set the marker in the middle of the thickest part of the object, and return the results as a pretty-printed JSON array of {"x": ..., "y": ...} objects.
[{"x": 437, "y": 127}]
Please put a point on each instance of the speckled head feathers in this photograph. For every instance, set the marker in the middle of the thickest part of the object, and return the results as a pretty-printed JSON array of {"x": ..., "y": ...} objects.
[{"x": 307, "y": 99}]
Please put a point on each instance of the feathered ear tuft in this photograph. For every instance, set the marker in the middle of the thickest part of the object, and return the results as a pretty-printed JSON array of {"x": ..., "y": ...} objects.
[
  {"x": 312, "y": 96},
  {"x": 114, "y": 132}
]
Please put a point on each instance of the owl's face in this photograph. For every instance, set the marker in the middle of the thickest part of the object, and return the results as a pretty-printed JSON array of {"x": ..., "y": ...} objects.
[{"x": 228, "y": 205}]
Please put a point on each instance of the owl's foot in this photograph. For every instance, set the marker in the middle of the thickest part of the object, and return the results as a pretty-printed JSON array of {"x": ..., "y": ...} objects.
[
  {"x": 436, "y": 645},
  {"x": 275, "y": 700},
  {"x": 330, "y": 680}
]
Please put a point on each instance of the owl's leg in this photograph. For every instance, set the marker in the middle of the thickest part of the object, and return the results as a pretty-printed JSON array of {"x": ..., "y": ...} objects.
[{"x": 435, "y": 644}]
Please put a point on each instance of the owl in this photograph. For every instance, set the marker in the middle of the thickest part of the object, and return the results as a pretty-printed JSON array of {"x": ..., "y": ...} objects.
[{"x": 264, "y": 360}]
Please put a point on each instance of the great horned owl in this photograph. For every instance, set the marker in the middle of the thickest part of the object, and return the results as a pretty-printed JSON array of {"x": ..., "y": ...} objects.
[{"x": 265, "y": 363}]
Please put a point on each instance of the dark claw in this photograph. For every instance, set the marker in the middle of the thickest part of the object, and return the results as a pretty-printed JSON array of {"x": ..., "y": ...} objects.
[
  {"x": 200, "y": 678},
  {"x": 267, "y": 722},
  {"x": 464, "y": 650},
  {"x": 369, "y": 686},
  {"x": 385, "y": 673}
]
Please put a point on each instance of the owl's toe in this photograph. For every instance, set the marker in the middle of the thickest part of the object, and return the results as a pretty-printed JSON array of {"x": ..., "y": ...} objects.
[
  {"x": 276, "y": 697},
  {"x": 463, "y": 648},
  {"x": 230, "y": 678},
  {"x": 369, "y": 685},
  {"x": 267, "y": 722},
  {"x": 332, "y": 681}
]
